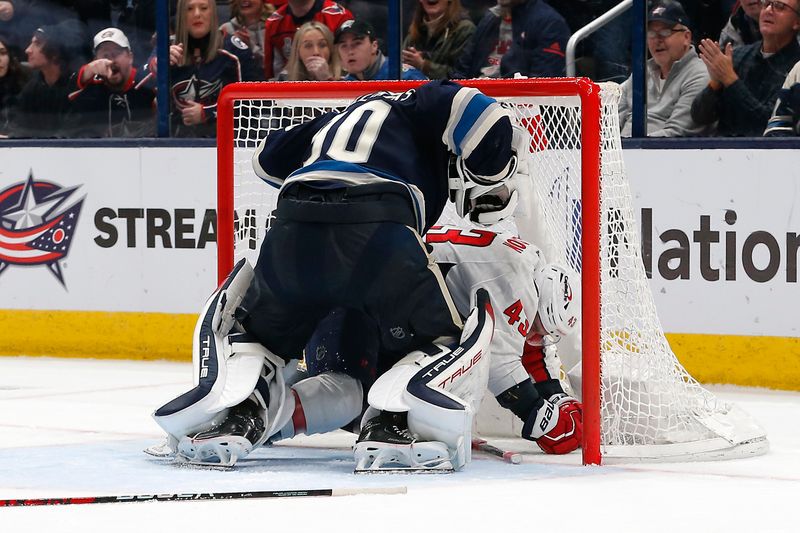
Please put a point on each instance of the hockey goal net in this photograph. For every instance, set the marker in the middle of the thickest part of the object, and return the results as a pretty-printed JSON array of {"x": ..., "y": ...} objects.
[{"x": 639, "y": 402}]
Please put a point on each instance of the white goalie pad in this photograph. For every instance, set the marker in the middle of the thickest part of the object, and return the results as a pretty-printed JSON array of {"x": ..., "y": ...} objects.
[
  {"x": 226, "y": 367},
  {"x": 442, "y": 391},
  {"x": 234, "y": 365}
]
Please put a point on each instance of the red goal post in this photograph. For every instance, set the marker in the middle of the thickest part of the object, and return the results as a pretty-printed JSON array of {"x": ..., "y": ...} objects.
[{"x": 576, "y": 150}]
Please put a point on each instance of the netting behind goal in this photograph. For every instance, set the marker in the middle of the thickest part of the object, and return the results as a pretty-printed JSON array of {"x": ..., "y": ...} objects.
[{"x": 639, "y": 401}]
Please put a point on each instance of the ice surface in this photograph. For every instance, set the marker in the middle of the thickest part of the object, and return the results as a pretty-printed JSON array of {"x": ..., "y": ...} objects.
[{"x": 74, "y": 427}]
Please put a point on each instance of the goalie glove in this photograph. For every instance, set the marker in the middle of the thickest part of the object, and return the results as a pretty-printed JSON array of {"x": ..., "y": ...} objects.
[{"x": 557, "y": 426}]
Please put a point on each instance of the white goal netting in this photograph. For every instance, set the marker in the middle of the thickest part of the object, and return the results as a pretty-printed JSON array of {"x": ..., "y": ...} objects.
[{"x": 651, "y": 408}]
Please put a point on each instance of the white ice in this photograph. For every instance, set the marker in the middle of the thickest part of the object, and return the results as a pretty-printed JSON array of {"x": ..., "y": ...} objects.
[{"x": 72, "y": 427}]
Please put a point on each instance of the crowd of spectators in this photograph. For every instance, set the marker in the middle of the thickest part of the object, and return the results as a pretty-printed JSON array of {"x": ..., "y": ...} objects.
[{"x": 87, "y": 68}]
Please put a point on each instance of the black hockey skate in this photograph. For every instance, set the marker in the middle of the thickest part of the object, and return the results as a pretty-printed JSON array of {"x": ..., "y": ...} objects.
[
  {"x": 228, "y": 442},
  {"x": 387, "y": 445}
]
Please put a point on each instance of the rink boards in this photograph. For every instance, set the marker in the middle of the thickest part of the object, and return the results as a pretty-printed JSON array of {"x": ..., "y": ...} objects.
[{"x": 111, "y": 251}]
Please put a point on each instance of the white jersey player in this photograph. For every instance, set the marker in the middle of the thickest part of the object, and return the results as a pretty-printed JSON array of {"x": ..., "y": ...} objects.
[{"x": 534, "y": 307}]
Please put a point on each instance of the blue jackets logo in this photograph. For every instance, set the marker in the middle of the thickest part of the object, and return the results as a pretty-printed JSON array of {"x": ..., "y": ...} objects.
[{"x": 37, "y": 222}]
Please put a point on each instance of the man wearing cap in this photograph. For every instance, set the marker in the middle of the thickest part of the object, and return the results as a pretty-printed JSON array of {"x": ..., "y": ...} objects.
[
  {"x": 745, "y": 81},
  {"x": 676, "y": 75},
  {"x": 110, "y": 97},
  {"x": 361, "y": 57}
]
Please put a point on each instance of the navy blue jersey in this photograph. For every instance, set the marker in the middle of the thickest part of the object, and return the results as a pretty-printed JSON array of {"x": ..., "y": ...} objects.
[
  {"x": 395, "y": 137},
  {"x": 203, "y": 81}
]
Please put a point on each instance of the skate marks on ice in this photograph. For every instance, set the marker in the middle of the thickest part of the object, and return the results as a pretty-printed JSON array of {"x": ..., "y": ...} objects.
[{"x": 120, "y": 467}]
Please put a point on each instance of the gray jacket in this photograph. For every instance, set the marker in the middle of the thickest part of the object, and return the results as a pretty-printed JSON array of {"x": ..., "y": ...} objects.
[{"x": 669, "y": 110}]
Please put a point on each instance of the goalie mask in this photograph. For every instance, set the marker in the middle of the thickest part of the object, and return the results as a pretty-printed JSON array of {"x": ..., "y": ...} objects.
[
  {"x": 483, "y": 204},
  {"x": 558, "y": 309}
]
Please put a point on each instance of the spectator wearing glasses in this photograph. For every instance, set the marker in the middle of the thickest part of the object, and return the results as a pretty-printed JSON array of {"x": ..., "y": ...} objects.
[
  {"x": 676, "y": 75},
  {"x": 745, "y": 82},
  {"x": 742, "y": 27},
  {"x": 785, "y": 120}
]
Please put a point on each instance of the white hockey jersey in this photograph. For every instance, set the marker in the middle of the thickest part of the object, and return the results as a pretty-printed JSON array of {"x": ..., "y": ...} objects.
[{"x": 503, "y": 265}]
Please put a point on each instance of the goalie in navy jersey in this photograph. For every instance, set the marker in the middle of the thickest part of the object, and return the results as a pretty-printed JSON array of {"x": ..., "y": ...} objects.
[{"x": 358, "y": 189}]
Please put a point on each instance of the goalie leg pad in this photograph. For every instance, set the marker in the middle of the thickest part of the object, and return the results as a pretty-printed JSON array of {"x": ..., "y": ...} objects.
[
  {"x": 442, "y": 396},
  {"x": 229, "y": 369}
]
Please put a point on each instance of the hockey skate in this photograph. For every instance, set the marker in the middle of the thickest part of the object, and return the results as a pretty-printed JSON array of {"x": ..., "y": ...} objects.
[
  {"x": 228, "y": 442},
  {"x": 386, "y": 445}
]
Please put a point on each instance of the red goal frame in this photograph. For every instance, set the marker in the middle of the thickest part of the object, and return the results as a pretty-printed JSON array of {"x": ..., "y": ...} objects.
[{"x": 591, "y": 144}]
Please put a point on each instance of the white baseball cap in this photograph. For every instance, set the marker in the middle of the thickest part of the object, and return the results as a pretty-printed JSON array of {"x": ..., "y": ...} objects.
[{"x": 113, "y": 35}]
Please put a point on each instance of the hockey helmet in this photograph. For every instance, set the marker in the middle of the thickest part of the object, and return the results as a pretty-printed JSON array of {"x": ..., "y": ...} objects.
[{"x": 558, "y": 309}]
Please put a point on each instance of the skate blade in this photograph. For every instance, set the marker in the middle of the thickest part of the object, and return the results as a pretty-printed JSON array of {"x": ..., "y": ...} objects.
[
  {"x": 398, "y": 470},
  {"x": 216, "y": 452},
  {"x": 183, "y": 461}
]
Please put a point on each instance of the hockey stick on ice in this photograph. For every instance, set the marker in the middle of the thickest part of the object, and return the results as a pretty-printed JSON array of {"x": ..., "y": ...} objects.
[
  {"x": 483, "y": 446},
  {"x": 196, "y": 496}
]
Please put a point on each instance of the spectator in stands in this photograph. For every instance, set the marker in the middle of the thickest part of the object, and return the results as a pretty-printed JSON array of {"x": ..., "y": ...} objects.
[
  {"x": 742, "y": 27},
  {"x": 281, "y": 26},
  {"x": 7, "y": 15},
  {"x": 247, "y": 23},
  {"x": 745, "y": 82},
  {"x": 676, "y": 75},
  {"x": 109, "y": 96},
  {"x": 477, "y": 8},
  {"x": 436, "y": 37},
  {"x": 12, "y": 79},
  {"x": 202, "y": 61},
  {"x": 516, "y": 36},
  {"x": 362, "y": 58},
  {"x": 43, "y": 101},
  {"x": 313, "y": 56},
  {"x": 785, "y": 120}
]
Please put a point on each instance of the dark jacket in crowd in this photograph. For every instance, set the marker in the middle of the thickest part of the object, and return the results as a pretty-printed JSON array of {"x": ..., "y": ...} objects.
[
  {"x": 744, "y": 108},
  {"x": 540, "y": 38},
  {"x": 98, "y": 111},
  {"x": 42, "y": 109},
  {"x": 10, "y": 87},
  {"x": 442, "y": 50}
]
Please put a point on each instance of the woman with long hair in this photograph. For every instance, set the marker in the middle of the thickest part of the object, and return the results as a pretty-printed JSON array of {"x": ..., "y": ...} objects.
[
  {"x": 313, "y": 56},
  {"x": 202, "y": 61},
  {"x": 12, "y": 79},
  {"x": 436, "y": 37}
]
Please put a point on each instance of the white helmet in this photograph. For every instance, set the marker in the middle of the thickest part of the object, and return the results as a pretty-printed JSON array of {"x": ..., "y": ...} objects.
[
  {"x": 483, "y": 204},
  {"x": 558, "y": 310}
]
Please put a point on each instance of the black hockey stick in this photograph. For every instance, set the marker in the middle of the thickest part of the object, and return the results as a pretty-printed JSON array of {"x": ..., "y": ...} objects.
[
  {"x": 483, "y": 446},
  {"x": 196, "y": 496}
]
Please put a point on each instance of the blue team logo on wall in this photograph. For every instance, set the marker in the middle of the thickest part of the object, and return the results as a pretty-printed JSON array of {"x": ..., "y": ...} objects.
[{"x": 36, "y": 224}]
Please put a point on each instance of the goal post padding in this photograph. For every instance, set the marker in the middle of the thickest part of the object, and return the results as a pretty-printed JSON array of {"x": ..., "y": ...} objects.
[{"x": 646, "y": 406}]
